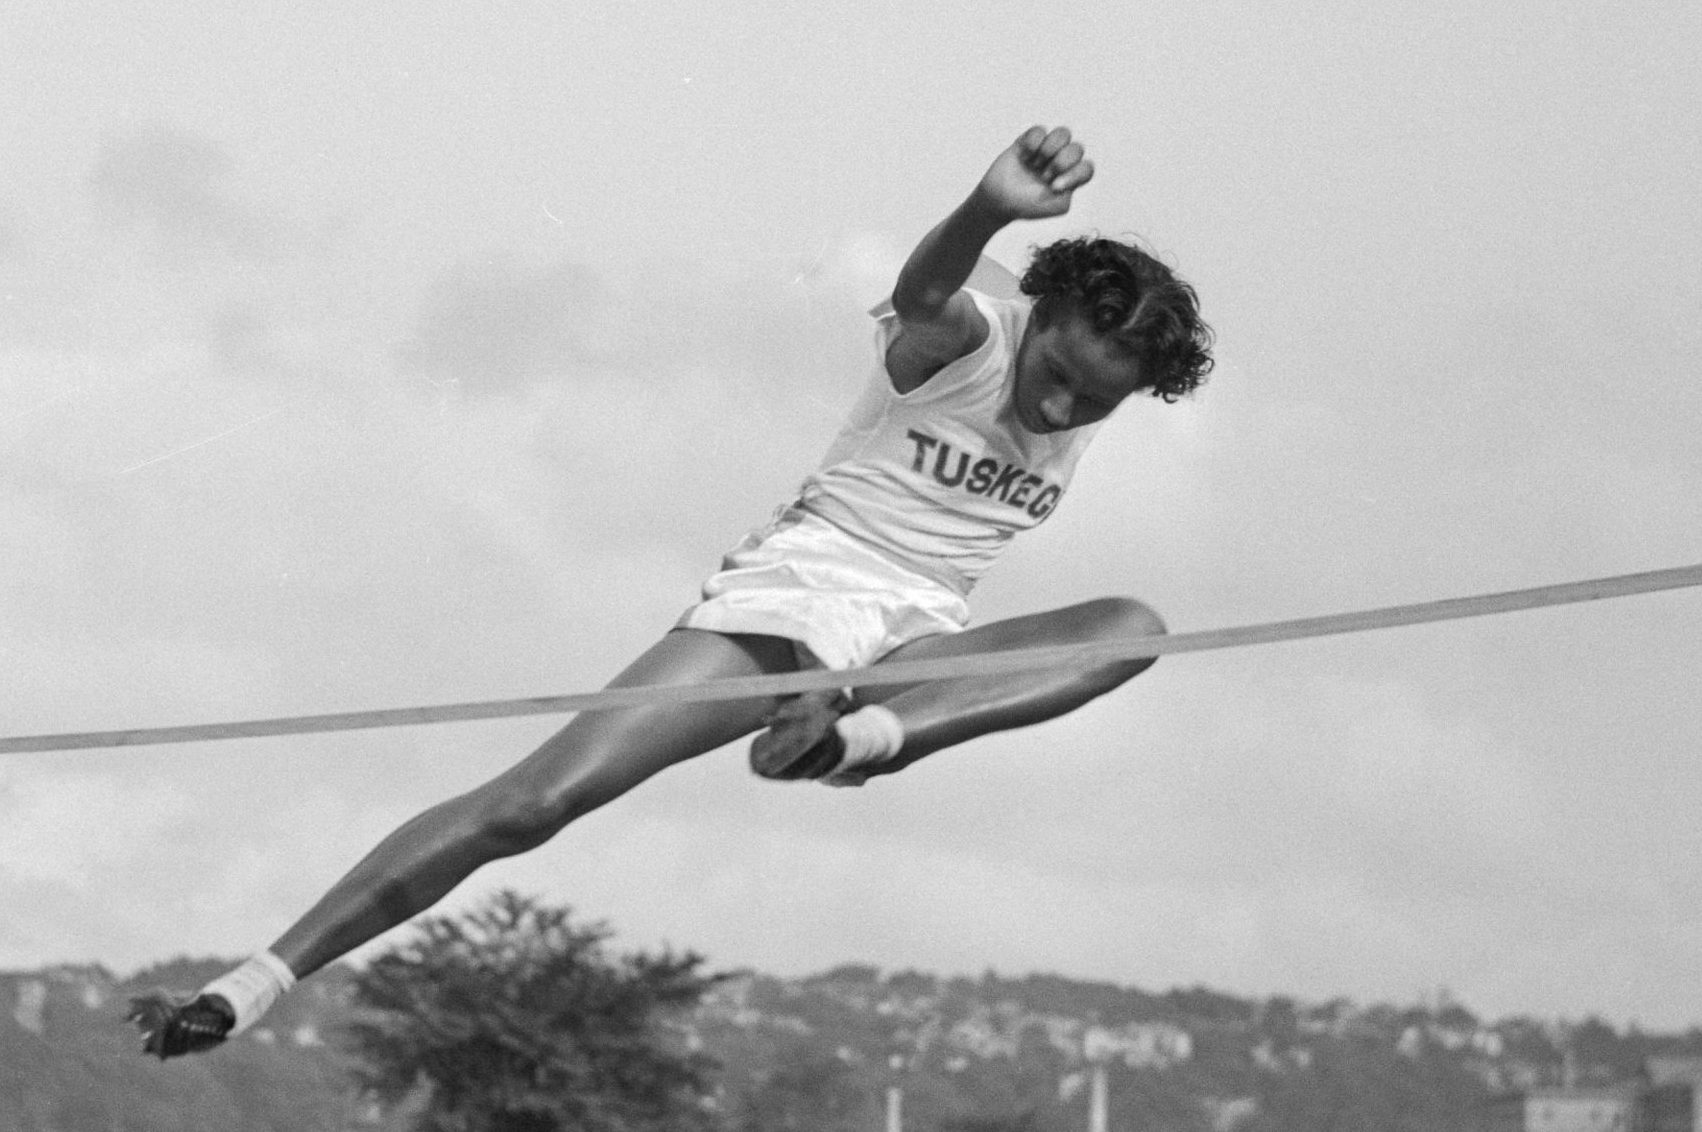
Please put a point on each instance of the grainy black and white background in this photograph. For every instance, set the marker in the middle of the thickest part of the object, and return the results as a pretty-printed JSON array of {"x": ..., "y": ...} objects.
[{"x": 366, "y": 356}]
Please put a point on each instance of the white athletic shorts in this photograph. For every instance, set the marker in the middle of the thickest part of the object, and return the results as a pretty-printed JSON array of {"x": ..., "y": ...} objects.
[{"x": 803, "y": 578}]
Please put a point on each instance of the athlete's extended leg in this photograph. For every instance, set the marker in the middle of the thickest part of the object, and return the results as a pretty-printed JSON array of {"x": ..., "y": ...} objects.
[
  {"x": 939, "y": 714},
  {"x": 594, "y": 759}
]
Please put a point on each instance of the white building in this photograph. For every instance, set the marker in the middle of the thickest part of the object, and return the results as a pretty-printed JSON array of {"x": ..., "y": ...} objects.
[{"x": 1605, "y": 1109}]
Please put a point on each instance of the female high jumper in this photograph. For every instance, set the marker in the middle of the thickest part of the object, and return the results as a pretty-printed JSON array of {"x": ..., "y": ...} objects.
[{"x": 968, "y": 433}]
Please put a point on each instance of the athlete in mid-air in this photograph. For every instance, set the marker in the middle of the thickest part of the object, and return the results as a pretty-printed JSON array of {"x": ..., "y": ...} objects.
[{"x": 977, "y": 412}]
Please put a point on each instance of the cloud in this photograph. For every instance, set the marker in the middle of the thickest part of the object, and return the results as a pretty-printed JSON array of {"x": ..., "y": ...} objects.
[
  {"x": 70, "y": 839},
  {"x": 102, "y": 847},
  {"x": 174, "y": 187},
  {"x": 13, "y": 245},
  {"x": 495, "y": 326}
]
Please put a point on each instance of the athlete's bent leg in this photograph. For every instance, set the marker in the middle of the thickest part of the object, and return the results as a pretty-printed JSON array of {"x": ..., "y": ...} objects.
[
  {"x": 943, "y": 713},
  {"x": 829, "y": 737}
]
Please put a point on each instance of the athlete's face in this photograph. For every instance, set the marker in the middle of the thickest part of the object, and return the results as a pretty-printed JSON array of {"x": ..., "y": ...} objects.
[{"x": 1067, "y": 375}]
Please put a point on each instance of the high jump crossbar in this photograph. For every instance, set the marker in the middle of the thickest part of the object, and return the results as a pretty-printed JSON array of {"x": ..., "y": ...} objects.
[{"x": 896, "y": 672}]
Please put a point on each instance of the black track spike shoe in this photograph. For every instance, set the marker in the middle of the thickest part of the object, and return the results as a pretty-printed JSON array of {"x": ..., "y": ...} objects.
[
  {"x": 172, "y": 1027},
  {"x": 801, "y": 741}
]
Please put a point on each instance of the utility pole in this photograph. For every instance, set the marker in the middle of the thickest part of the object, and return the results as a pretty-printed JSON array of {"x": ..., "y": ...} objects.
[
  {"x": 895, "y": 1095},
  {"x": 1098, "y": 1101}
]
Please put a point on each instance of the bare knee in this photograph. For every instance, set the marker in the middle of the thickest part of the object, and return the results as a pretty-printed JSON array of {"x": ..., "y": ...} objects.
[
  {"x": 1120, "y": 618},
  {"x": 515, "y": 813},
  {"x": 1117, "y": 617},
  {"x": 592, "y": 761}
]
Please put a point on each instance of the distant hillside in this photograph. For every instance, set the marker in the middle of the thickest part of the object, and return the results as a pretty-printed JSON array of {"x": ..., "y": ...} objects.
[{"x": 992, "y": 1054}]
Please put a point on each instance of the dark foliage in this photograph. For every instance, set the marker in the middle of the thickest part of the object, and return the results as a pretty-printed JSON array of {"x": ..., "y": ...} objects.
[
  {"x": 1366, "y": 1086},
  {"x": 817, "y": 1053},
  {"x": 805, "y": 1088},
  {"x": 517, "y": 1020}
]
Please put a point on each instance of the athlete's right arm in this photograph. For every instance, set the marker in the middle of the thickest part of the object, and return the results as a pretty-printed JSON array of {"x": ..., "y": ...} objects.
[{"x": 937, "y": 320}]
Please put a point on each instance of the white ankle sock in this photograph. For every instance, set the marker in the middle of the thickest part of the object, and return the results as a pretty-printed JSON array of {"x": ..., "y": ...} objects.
[
  {"x": 871, "y": 735},
  {"x": 252, "y": 988}
]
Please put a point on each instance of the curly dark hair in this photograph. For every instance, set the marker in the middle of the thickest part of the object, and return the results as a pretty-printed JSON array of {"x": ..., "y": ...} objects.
[{"x": 1124, "y": 292}]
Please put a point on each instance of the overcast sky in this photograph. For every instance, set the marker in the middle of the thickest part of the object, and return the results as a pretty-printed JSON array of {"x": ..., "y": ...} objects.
[{"x": 358, "y": 356}]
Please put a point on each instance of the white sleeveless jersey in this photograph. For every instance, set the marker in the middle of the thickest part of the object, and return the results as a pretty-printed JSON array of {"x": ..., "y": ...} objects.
[{"x": 942, "y": 477}]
